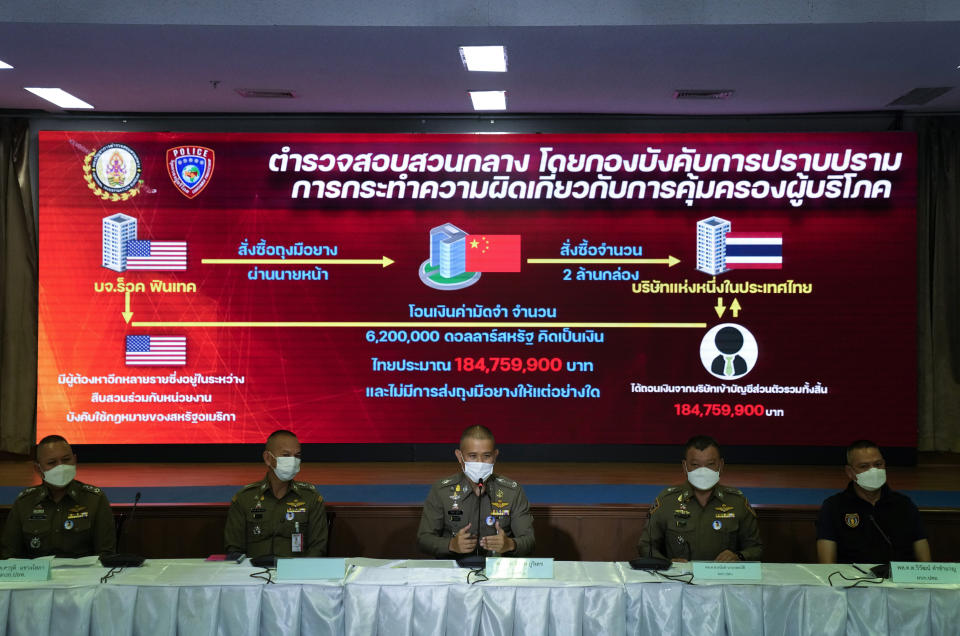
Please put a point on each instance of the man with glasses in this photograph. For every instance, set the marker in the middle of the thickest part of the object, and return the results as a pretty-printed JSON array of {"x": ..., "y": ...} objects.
[{"x": 868, "y": 522}]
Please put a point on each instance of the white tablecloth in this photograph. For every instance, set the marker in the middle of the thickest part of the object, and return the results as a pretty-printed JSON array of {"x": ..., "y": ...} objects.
[{"x": 396, "y": 598}]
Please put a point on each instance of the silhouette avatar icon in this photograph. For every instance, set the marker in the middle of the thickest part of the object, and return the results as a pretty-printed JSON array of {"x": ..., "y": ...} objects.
[{"x": 729, "y": 364}]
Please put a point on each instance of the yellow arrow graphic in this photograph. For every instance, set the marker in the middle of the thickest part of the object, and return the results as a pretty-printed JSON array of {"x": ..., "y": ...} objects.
[
  {"x": 384, "y": 261},
  {"x": 126, "y": 313},
  {"x": 432, "y": 325},
  {"x": 735, "y": 308},
  {"x": 670, "y": 261},
  {"x": 719, "y": 308}
]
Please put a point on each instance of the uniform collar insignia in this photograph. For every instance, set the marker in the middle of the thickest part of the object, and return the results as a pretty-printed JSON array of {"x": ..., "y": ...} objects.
[{"x": 724, "y": 508}]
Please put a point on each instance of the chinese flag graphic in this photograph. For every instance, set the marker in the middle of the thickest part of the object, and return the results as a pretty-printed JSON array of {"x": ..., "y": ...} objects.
[{"x": 493, "y": 253}]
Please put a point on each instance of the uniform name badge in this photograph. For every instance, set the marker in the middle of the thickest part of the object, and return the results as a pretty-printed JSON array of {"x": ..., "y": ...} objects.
[{"x": 296, "y": 540}]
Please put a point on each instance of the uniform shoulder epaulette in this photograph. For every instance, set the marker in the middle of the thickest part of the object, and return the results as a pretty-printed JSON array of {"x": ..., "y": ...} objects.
[
  {"x": 27, "y": 491},
  {"x": 509, "y": 483},
  {"x": 733, "y": 491},
  {"x": 449, "y": 481},
  {"x": 305, "y": 484},
  {"x": 670, "y": 489},
  {"x": 252, "y": 486},
  {"x": 90, "y": 488}
]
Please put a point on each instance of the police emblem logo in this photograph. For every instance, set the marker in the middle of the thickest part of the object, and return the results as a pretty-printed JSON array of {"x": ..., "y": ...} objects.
[
  {"x": 190, "y": 168},
  {"x": 289, "y": 515},
  {"x": 35, "y": 543},
  {"x": 717, "y": 524},
  {"x": 68, "y": 524},
  {"x": 113, "y": 172},
  {"x": 490, "y": 520},
  {"x": 852, "y": 520}
]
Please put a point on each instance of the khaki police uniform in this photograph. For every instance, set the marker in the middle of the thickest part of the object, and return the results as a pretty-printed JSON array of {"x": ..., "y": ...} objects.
[
  {"x": 451, "y": 505},
  {"x": 680, "y": 528},
  {"x": 80, "y": 524},
  {"x": 259, "y": 524}
]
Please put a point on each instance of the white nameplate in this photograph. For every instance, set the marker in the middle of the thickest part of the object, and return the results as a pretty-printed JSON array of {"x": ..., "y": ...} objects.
[
  {"x": 507, "y": 568},
  {"x": 310, "y": 569},
  {"x": 733, "y": 571},
  {"x": 25, "y": 570},
  {"x": 929, "y": 573}
]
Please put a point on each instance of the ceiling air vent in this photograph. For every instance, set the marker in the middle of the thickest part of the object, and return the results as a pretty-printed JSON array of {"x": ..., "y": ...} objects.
[
  {"x": 920, "y": 96},
  {"x": 266, "y": 93},
  {"x": 691, "y": 93}
]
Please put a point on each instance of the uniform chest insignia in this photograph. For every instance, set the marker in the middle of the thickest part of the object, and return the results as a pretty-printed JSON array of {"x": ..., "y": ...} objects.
[
  {"x": 725, "y": 515},
  {"x": 724, "y": 508},
  {"x": 257, "y": 530},
  {"x": 682, "y": 512},
  {"x": 717, "y": 524},
  {"x": 38, "y": 511},
  {"x": 499, "y": 494},
  {"x": 296, "y": 503},
  {"x": 68, "y": 524},
  {"x": 78, "y": 515},
  {"x": 852, "y": 520},
  {"x": 500, "y": 513},
  {"x": 35, "y": 543},
  {"x": 293, "y": 511},
  {"x": 499, "y": 504}
]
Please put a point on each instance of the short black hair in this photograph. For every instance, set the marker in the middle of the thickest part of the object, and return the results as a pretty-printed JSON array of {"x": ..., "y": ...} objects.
[
  {"x": 701, "y": 442},
  {"x": 477, "y": 431},
  {"x": 49, "y": 439},
  {"x": 280, "y": 432},
  {"x": 858, "y": 445}
]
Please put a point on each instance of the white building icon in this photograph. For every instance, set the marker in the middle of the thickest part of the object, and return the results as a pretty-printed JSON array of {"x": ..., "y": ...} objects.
[
  {"x": 117, "y": 230},
  {"x": 712, "y": 245}
]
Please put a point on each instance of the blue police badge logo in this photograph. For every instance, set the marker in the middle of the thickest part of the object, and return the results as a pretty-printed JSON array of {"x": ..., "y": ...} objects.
[
  {"x": 852, "y": 520},
  {"x": 68, "y": 524},
  {"x": 717, "y": 524},
  {"x": 190, "y": 168},
  {"x": 289, "y": 515},
  {"x": 113, "y": 172},
  {"x": 491, "y": 520}
]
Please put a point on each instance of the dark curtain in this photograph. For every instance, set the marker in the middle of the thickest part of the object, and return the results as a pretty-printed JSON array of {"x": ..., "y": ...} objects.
[
  {"x": 18, "y": 291},
  {"x": 938, "y": 288}
]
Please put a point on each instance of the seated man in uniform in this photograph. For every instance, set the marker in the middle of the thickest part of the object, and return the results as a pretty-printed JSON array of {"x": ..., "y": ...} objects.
[
  {"x": 868, "y": 522},
  {"x": 475, "y": 510},
  {"x": 276, "y": 515},
  {"x": 61, "y": 516},
  {"x": 701, "y": 520}
]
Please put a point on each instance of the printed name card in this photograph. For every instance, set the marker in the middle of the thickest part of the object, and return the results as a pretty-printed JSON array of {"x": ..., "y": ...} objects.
[
  {"x": 908, "y": 572},
  {"x": 735, "y": 571},
  {"x": 310, "y": 569},
  {"x": 25, "y": 570},
  {"x": 507, "y": 568}
]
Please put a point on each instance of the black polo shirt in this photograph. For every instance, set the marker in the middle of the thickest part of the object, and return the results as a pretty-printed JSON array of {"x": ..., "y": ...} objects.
[{"x": 867, "y": 533}]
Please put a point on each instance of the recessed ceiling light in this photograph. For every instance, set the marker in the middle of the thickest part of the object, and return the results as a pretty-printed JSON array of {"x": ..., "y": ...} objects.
[
  {"x": 489, "y": 100},
  {"x": 4, "y": 64},
  {"x": 60, "y": 97},
  {"x": 492, "y": 59}
]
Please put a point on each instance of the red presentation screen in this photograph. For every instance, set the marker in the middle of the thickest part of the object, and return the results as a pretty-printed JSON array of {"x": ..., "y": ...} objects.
[{"x": 574, "y": 289}]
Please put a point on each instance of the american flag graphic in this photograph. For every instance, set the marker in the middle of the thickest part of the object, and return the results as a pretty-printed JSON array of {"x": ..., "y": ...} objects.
[
  {"x": 162, "y": 351},
  {"x": 754, "y": 250},
  {"x": 156, "y": 255}
]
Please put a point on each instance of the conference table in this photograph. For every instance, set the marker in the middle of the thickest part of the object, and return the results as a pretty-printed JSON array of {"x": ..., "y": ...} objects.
[{"x": 192, "y": 596}]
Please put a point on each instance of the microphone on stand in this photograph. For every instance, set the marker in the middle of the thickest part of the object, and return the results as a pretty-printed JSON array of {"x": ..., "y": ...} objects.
[
  {"x": 651, "y": 562},
  {"x": 267, "y": 560},
  {"x": 123, "y": 559},
  {"x": 476, "y": 561}
]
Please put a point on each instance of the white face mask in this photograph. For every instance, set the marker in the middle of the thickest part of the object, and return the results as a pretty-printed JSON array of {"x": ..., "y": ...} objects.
[
  {"x": 703, "y": 478},
  {"x": 287, "y": 467},
  {"x": 872, "y": 478},
  {"x": 60, "y": 475},
  {"x": 477, "y": 471}
]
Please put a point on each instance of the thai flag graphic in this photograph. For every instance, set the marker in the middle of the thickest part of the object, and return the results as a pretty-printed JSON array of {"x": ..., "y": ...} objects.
[{"x": 754, "y": 250}]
